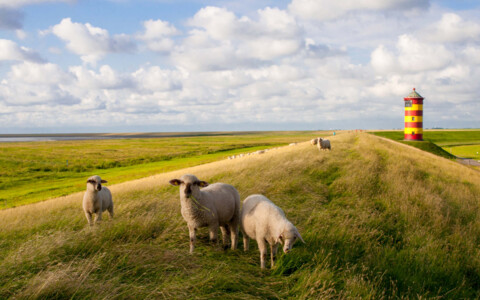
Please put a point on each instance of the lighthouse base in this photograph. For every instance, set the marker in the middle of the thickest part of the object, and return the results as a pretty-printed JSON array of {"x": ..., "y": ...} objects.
[{"x": 413, "y": 137}]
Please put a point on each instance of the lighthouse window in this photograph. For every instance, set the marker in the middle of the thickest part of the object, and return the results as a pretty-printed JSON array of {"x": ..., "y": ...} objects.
[
  {"x": 413, "y": 132},
  {"x": 408, "y": 103},
  {"x": 413, "y": 118}
]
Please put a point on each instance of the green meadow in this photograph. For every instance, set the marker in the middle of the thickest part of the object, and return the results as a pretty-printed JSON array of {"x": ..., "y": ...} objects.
[
  {"x": 445, "y": 143},
  {"x": 380, "y": 221},
  {"x": 36, "y": 171}
]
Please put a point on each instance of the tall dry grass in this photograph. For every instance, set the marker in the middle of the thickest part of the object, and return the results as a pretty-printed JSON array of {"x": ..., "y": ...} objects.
[{"x": 380, "y": 220}]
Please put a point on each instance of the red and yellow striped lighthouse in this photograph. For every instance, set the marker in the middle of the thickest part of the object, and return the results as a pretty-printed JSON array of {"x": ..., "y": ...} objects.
[{"x": 413, "y": 116}]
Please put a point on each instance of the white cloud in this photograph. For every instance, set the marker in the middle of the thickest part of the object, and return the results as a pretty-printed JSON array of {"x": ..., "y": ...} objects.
[
  {"x": 157, "y": 35},
  {"x": 106, "y": 78},
  {"x": 411, "y": 56},
  {"x": 36, "y": 84},
  {"x": 323, "y": 10},
  {"x": 91, "y": 43},
  {"x": 9, "y": 50},
  {"x": 452, "y": 29}
]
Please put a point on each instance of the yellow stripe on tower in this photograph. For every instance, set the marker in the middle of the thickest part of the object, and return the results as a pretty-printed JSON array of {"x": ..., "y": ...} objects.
[
  {"x": 415, "y": 107},
  {"x": 409, "y": 130},
  {"x": 413, "y": 119}
]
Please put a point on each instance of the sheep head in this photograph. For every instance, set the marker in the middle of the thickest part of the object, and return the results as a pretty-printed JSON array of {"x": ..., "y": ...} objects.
[
  {"x": 289, "y": 236},
  {"x": 189, "y": 185},
  {"x": 95, "y": 183}
]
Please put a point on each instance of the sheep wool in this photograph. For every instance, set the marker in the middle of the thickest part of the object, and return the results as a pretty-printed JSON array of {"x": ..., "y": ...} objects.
[
  {"x": 216, "y": 205},
  {"x": 97, "y": 199},
  {"x": 265, "y": 222}
]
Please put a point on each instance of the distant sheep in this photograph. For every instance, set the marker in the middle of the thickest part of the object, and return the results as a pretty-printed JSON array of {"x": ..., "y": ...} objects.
[
  {"x": 97, "y": 199},
  {"x": 323, "y": 144},
  {"x": 314, "y": 141},
  {"x": 292, "y": 144},
  {"x": 216, "y": 205},
  {"x": 265, "y": 222}
]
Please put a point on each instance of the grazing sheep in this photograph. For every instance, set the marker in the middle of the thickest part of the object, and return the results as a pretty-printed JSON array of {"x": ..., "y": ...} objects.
[
  {"x": 314, "y": 141},
  {"x": 217, "y": 205},
  {"x": 97, "y": 199},
  {"x": 263, "y": 221},
  {"x": 323, "y": 144}
]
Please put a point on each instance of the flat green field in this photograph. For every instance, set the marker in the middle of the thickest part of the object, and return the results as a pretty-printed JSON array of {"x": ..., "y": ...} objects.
[
  {"x": 461, "y": 143},
  {"x": 35, "y": 171},
  {"x": 380, "y": 221}
]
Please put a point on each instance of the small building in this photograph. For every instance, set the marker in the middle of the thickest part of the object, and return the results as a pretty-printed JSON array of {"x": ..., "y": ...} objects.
[{"x": 413, "y": 117}]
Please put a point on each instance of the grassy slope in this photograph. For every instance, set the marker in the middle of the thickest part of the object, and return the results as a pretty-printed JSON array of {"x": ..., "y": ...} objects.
[
  {"x": 35, "y": 171},
  {"x": 429, "y": 144},
  {"x": 380, "y": 220}
]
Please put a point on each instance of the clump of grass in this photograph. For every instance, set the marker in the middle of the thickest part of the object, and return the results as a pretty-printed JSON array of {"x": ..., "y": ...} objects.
[{"x": 379, "y": 221}]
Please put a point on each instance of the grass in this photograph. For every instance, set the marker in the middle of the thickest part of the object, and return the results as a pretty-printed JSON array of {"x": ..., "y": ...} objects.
[
  {"x": 439, "y": 142},
  {"x": 380, "y": 221},
  {"x": 35, "y": 171},
  {"x": 466, "y": 151}
]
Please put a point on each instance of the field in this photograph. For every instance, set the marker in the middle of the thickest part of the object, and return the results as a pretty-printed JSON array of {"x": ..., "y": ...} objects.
[
  {"x": 445, "y": 143},
  {"x": 380, "y": 220},
  {"x": 35, "y": 171}
]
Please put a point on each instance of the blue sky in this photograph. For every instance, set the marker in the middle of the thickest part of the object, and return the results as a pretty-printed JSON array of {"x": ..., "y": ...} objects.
[{"x": 125, "y": 66}]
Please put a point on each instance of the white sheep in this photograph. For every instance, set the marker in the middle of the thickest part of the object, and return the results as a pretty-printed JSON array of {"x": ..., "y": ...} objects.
[
  {"x": 97, "y": 199},
  {"x": 323, "y": 144},
  {"x": 263, "y": 221},
  {"x": 314, "y": 141},
  {"x": 216, "y": 205}
]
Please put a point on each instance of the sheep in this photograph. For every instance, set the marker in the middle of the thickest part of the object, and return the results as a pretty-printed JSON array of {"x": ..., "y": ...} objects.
[
  {"x": 323, "y": 144},
  {"x": 97, "y": 199},
  {"x": 314, "y": 141},
  {"x": 216, "y": 205},
  {"x": 263, "y": 221}
]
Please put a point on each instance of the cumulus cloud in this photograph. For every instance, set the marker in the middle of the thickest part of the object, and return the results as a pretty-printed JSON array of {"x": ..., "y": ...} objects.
[
  {"x": 323, "y": 10},
  {"x": 91, "y": 43},
  {"x": 411, "y": 56},
  {"x": 9, "y": 50},
  {"x": 36, "y": 84},
  {"x": 452, "y": 29},
  {"x": 157, "y": 35},
  {"x": 225, "y": 41}
]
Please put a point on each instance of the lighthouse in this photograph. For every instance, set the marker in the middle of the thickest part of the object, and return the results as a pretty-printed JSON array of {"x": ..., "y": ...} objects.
[{"x": 413, "y": 117}]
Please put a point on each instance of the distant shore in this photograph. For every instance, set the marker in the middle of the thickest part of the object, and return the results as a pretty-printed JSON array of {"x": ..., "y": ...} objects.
[{"x": 32, "y": 137}]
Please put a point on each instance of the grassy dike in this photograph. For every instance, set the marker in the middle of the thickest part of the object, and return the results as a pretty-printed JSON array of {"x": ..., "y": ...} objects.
[{"x": 380, "y": 221}]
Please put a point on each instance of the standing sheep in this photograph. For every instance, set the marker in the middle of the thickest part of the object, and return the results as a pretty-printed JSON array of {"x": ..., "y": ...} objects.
[
  {"x": 265, "y": 222},
  {"x": 97, "y": 199},
  {"x": 217, "y": 205},
  {"x": 323, "y": 144}
]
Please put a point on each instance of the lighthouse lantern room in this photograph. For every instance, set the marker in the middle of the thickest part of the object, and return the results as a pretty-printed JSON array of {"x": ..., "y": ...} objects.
[{"x": 413, "y": 116}]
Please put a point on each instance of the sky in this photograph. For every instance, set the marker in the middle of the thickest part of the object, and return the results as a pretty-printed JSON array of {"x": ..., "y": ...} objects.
[{"x": 199, "y": 65}]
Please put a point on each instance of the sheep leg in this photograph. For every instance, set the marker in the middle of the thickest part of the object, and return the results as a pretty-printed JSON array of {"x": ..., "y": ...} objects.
[
  {"x": 110, "y": 211},
  {"x": 224, "y": 230},
  {"x": 213, "y": 232},
  {"x": 234, "y": 236},
  {"x": 191, "y": 232},
  {"x": 98, "y": 217},
  {"x": 246, "y": 241},
  {"x": 262, "y": 246},
  {"x": 273, "y": 253},
  {"x": 89, "y": 218}
]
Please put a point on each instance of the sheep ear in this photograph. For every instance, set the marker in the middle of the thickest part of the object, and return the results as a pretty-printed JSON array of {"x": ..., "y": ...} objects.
[
  {"x": 104, "y": 181},
  {"x": 90, "y": 181},
  {"x": 299, "y": 236},
  {"x": 202, "y": 183},
  {"x": 176, "y": 182}
]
